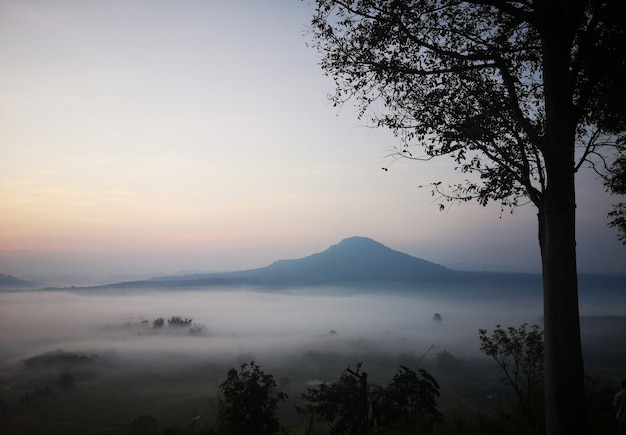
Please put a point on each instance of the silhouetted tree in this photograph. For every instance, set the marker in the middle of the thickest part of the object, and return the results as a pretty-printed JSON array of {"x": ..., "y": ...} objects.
[
  {"x": 158, "y": 323},
  {"x": 178, "y": 321},
  {"x": 343, "y": 405},
  {"x": 519, "y": 352},
  {"x": 248, "y": 402},
  {"x": 615, "y": 182},
  {"x": 523, "y": 94},
  {"x": 353, "y": 405},
  {"x": 409, "y": 401}
]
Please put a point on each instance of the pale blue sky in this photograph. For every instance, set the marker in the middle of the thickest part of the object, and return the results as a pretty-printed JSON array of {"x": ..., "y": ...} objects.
[{"x": 159, "y": 136}]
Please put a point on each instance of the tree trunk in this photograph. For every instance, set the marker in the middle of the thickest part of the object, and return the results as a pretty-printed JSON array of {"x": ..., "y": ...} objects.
[{"x": 564, "y": 372}]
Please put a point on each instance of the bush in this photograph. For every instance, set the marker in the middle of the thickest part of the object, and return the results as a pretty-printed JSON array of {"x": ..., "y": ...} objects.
[{"x": 248, "y": 401}]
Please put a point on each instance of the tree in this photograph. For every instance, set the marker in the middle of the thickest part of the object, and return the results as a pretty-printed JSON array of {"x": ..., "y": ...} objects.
[
  {"x": 410, "y": 399},
  {"x": 158, "y": 323},
  {"x": 343, "y": 405},
  {"x": 615, "y": 182},
  {"x": 353, "y": 405},
  {"x": 519, "y": 353},
  {"x": 248, "y": 402},
  {"x": 519, "y": 102}
]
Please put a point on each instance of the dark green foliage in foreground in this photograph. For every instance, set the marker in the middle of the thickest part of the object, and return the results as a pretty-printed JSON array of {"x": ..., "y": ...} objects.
[
  {"x": 411, "y": 396},
  {"x": 353, "y": 405},
  {"x": 248, "y": 401},
  {"x": 519, "y": 353}
]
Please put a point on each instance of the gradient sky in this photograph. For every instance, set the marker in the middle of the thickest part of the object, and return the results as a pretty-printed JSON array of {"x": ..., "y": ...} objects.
[{"x": 158, "y": 136}]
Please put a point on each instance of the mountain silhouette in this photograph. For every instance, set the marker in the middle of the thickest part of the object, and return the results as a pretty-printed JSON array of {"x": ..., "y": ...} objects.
[
  {"x": 363, "y": 263},
  {"x": 353, "y": 261}
]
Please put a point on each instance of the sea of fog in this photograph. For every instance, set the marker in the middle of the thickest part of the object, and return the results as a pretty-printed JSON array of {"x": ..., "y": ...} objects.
[{"x": 264, "y": 325}]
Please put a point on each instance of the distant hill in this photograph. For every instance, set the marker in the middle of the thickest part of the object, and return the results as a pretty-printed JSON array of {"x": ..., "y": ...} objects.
[{"x": 9, "y": 281}]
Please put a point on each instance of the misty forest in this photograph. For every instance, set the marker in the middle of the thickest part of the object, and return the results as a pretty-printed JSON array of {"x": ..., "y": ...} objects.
[{"x": 356, "y": 339}]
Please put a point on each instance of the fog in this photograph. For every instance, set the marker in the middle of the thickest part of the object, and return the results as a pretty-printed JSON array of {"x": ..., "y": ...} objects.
[
  {"x": 229, "y": 324},
  {"x": 233, "y": 326}
]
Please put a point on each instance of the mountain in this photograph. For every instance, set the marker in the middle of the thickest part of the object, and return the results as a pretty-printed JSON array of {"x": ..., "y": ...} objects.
[{"x": 355, "y": 260}]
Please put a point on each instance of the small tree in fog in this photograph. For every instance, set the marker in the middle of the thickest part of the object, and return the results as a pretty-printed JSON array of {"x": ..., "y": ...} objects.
[
  {"x": 519, "y": 353},
  {"x": 178, "y": 321},
  {"x": 248, "y": 401}
]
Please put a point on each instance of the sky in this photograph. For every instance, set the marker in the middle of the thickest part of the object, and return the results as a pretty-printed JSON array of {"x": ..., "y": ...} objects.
[{"x": 141, "y": 137}]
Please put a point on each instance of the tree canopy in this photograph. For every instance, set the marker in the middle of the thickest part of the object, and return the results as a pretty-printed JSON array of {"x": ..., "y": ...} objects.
[
  {"x": 248, "y": 401},
  {"x": 615, "y": 182},
  {"x": 354, "y": 405},
  {"x": 466, "y": 79}
]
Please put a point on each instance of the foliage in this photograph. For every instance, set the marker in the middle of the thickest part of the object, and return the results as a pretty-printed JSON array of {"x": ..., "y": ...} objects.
[
  {"x": 410, "y": 397},
  {"x": 520, "y": 353},
  {"x": 466, "y": 79},
  {"x": 178, "y": 321},
  {"x": 353, "y": 405},
  {"x": 158, "y": 323},
  {"x": 615, "y": 182},
  {"x": 248, "y": 402},
  {"x": 343, "y": 404}
]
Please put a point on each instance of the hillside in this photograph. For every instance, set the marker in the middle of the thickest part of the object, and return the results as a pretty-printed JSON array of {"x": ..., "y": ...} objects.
[{"x": 9, "y": 281}]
